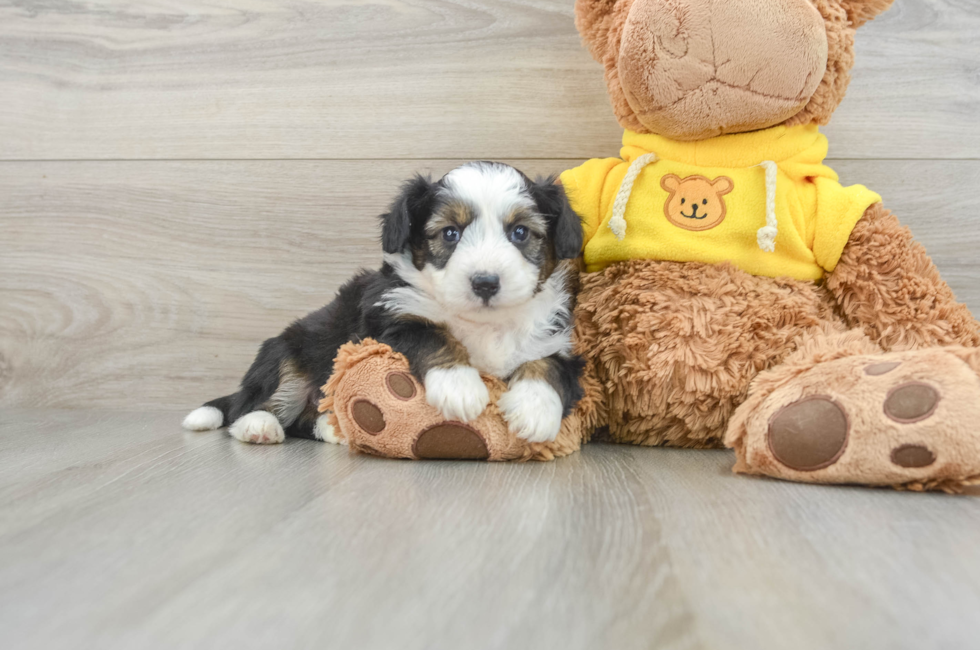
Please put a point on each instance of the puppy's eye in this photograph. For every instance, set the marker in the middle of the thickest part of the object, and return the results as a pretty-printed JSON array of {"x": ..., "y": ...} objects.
[
  {"x": 519, "y": 234},
  {"x": 450, "y": 235}
]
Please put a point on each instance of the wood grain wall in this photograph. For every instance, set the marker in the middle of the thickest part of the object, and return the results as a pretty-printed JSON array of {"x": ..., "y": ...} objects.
[{"x": 178, "y": 180}]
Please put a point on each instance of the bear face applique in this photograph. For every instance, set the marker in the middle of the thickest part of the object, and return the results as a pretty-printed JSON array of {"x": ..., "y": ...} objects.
[{"x": 696, "y": 203}]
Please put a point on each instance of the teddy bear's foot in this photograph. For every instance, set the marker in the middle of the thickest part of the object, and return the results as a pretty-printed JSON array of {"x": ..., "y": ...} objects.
[
  {"x": 906, "y": 419},
  {"x": 377, "y": 406}
]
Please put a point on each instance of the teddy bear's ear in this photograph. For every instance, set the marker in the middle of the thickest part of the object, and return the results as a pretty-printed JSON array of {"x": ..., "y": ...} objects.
[
  {"x": 670, "y": 182},
  {"x": 594, "y": 20},
  {"x": 861, "y": 11}
]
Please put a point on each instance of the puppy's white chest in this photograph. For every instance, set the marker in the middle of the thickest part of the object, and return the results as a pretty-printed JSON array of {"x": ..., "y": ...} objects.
[
  {"x": 493, "y": 350},
  {"x": 500, "y": 349}
]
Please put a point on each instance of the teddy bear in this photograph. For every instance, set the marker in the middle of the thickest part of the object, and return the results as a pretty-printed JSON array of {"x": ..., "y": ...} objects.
[{"x": 734, "y": 293}]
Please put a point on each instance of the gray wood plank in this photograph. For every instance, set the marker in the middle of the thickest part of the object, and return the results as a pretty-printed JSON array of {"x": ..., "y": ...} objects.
[
  {"x": 122, "y": 531},
  {"x": 406, "y": 79},
  {"x": 151, "y": 284}
]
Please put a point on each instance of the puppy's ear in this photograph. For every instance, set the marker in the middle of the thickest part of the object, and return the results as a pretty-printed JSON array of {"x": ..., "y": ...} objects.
[
  {"x": 407, "y": 214},
  {"x": 564, "y": 226}
]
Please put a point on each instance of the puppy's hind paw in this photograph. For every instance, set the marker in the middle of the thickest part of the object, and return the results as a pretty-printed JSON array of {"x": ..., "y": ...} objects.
[
  {"x": 532, "y": 409},
  {"x": 458, "y": 392},
  {"x": 204, "y": 418}
]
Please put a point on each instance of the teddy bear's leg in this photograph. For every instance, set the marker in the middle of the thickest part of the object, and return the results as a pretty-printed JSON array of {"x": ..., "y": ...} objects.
[
  {"x": 377, "y": 406},
  {"x": 840, "y": 411},
  {"x": 672, "y": 347}
]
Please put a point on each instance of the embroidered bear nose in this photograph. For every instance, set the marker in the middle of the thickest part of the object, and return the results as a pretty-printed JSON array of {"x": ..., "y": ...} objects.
[{"x": 485, "y": 285}]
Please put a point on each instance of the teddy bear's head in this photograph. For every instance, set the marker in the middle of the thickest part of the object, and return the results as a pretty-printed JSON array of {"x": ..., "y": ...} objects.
[{"x": 693, "y": 69}]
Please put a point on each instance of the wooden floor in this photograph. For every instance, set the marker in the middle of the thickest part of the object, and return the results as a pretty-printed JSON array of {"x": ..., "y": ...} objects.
[
  {"x": 122, "y": 531},
  {"x": 179, "y": 180}
]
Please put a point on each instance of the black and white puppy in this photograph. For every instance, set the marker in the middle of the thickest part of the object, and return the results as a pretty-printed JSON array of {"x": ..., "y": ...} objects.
[{"x": 476, "y": 278}]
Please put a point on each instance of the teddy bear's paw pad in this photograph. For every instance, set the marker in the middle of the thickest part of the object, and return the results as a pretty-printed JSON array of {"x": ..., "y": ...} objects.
[
  {"x": 913, "y": 456},
  {"x": 450, "y": 441},
  {"x": 878, "y": 369},
  {"x": 809, "y": 434},
  {"x": 401, "y": 385},
  {"x": 368, "y": 416},
  {"x": 911, "y": 402},
  {"x": 902, "y": 419}
]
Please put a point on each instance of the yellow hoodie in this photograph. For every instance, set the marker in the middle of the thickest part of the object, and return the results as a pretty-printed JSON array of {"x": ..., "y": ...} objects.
[{"x": 763, "y": 201}]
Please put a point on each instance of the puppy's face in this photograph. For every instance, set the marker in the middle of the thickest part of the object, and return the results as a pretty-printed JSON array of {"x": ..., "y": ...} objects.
[{"x": 484, "y": 237}]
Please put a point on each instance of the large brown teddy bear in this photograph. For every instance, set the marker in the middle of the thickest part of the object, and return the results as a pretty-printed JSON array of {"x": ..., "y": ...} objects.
[{"x": 735, "y": 293}]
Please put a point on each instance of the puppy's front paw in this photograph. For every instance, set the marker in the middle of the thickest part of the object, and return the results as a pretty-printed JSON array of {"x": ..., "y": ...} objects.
[
  {"x": 533, "y": 409},
  {"x": 457, "y": 392},
  {"x": 258, "y": 427}
]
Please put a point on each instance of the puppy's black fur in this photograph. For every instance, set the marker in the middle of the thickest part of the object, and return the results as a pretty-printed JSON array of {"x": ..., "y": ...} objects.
[{"x": 305, "y": 350}]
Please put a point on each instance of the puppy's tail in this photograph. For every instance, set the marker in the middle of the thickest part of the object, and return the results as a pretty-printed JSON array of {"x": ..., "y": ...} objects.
[{"x": 212, "y": 415}]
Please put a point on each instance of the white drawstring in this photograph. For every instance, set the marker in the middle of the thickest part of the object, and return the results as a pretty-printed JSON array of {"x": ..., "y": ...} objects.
[
  {"x": 617, "y": 223},
  {"x": 765, "y": 236}
]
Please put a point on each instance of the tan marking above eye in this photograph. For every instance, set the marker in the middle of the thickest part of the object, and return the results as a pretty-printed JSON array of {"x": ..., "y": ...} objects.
[
  {"x": 533, "y": 221},
  {"x": 457, "y": 215}
]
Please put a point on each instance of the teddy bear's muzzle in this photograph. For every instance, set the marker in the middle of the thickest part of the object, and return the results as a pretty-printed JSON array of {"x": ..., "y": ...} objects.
[{"x": 693, "y": 69}]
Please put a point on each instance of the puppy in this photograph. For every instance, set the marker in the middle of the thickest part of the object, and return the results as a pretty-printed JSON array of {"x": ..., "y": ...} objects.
[{"x": 476, "y": 278}]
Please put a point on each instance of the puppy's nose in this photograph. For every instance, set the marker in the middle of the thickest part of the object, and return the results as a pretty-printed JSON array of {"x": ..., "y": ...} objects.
[{"x": 485, "y": 285}]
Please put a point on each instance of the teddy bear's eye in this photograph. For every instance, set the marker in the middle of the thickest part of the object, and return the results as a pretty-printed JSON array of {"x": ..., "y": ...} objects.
[
  {"x": 683, "y": 201},
  {"x": 705, "y": 202}
]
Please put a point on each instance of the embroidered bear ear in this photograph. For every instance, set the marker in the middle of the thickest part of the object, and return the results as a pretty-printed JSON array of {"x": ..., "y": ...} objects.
[
  {"x": 670, "y": 182},
  {"x": 861, "y": 11},
  {"x": 722, "y": 185}
]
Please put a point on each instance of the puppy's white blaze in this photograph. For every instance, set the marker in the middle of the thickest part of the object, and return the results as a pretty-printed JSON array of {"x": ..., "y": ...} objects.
[
  {"x": 532, "y": 409},
  {"x": 204, "y": 418},
  {"x": 499, "y": 340},
  {"x": 258, "y": 427},
  {"x": 457, "y": 392},
  {"x": 489, "y": 189},
  {"x": 324, "y": 431}
]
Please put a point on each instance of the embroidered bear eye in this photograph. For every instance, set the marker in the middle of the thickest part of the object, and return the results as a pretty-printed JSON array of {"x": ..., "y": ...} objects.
[
  {"x": 683, "y": 201},
  {"x": 705, "y": 202},
  {"x": 450, "y": 235}
]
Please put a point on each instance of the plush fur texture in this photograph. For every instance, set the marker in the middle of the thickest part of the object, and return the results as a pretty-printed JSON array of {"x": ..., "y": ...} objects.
[
  {"x": 602, "y": 24},
  {"x": 672, "y": 347},
  {"x": 886, "y": 284}
]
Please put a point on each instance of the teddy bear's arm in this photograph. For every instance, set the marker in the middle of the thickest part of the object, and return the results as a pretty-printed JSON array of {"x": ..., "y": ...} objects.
[{"x": 886, "y": 284}]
